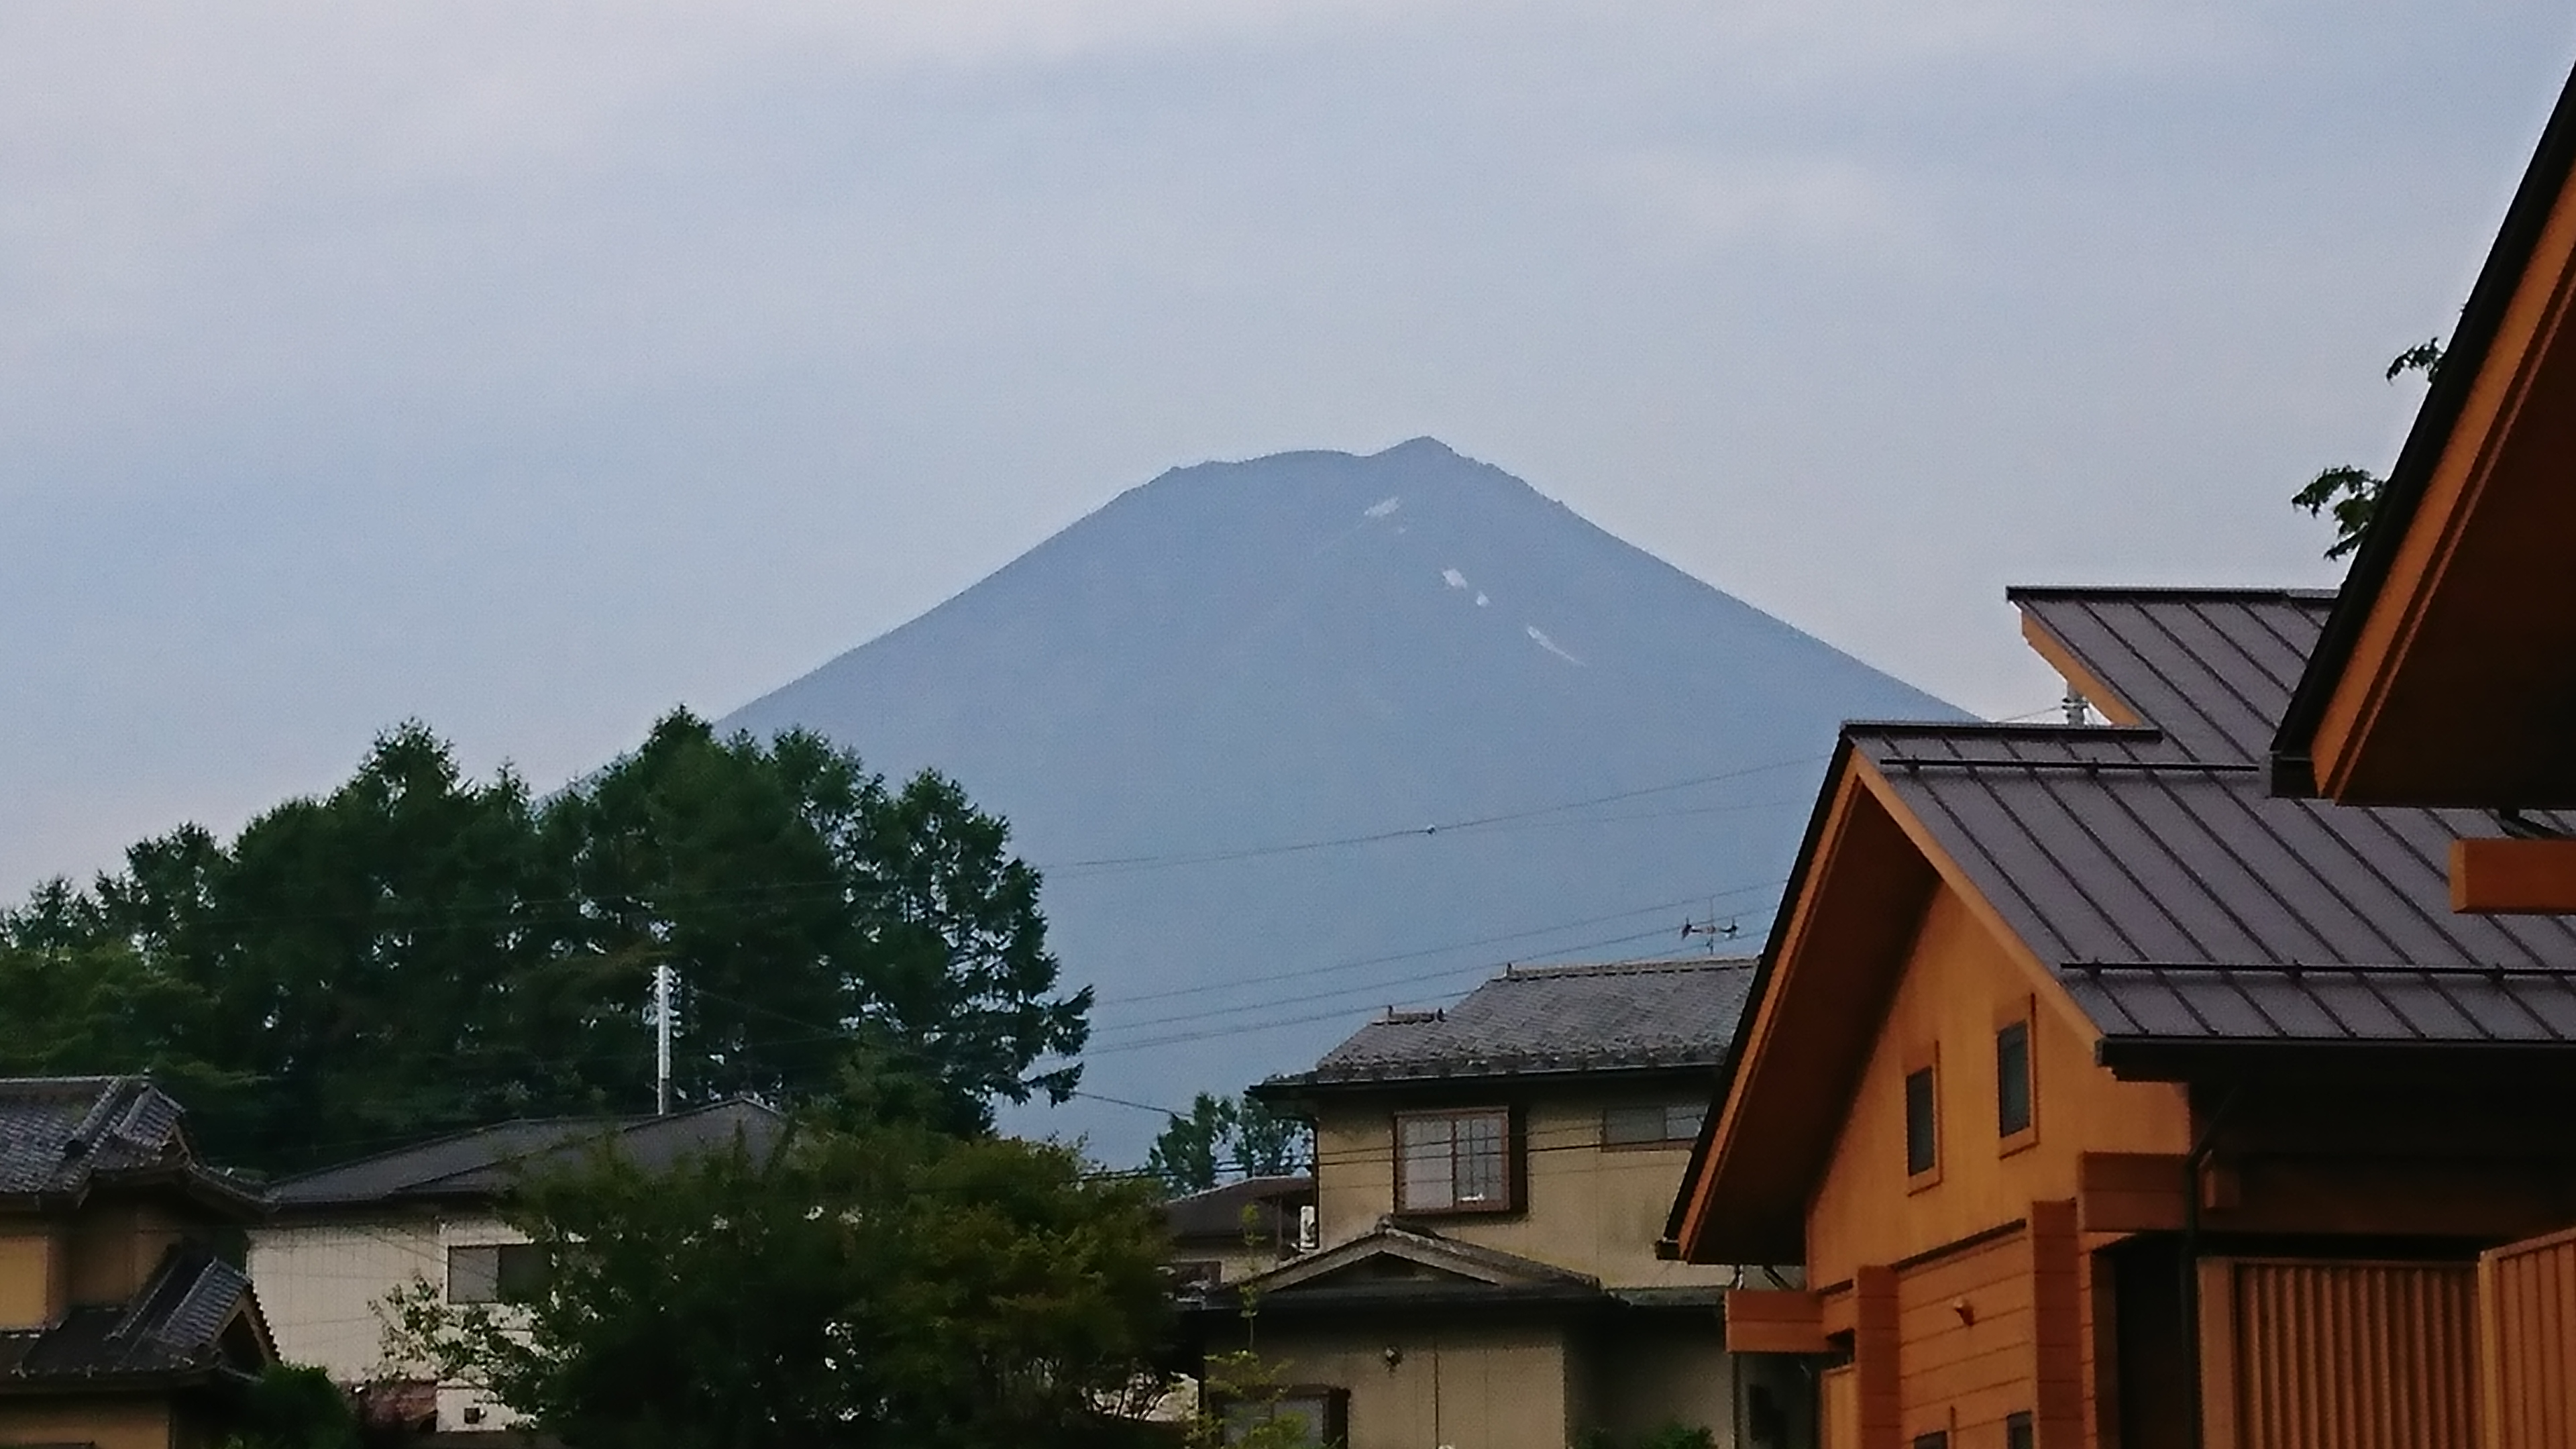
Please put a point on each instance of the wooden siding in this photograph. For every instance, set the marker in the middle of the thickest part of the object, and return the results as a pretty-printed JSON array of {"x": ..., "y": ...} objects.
[
  {"x": 1966, "y": 1332},
  {"x": 1958, "y": 978},
  {"x": 2307, "y": 1355},
  {"x": 1775, "y": 1320},
  {"x": 1876, "y": 1319},
  {"x": 1838, "y": 1390},
  {"x": 2056, "y": 1267},
  {"x": 2527, "y": 1344}
]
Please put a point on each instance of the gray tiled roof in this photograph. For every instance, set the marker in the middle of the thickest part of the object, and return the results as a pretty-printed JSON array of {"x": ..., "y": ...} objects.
[
  {"x": 60, "y": 1134},
  {"x": 173, "y": 1327},
  {"x": 2182, "y": 902},
  {"x": 1625, "y": 1016},
  {"x": 483, "y": 1163}
]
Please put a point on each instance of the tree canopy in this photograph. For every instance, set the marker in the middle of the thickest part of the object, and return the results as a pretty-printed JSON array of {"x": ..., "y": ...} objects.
[
  {"x": 865, "y": 1281},
  {"x": 417, "y": 951},
  {"x": 1224, "y": 1137}
]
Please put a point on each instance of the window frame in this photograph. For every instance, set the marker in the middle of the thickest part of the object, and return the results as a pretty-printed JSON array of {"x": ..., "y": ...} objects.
[
  {"x": 1508, "y": 1200},
  {"x": 1926, "y": 1063},
  {"x": 503, "y": 1278},
  {"x": 1667, "y": 1108},
  {"x": 2024, "y": 1013},
  {"x": 1336, "y": 1399}
]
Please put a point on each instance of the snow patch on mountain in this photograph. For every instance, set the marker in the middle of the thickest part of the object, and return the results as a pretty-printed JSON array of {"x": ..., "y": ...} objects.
[{"x": 1539, "y": 637}]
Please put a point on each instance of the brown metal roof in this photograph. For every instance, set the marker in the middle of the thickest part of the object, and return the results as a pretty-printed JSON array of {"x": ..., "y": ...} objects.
[
  {"x": 2181, "y": 901},
  {"x": 2212, "y": 668}
]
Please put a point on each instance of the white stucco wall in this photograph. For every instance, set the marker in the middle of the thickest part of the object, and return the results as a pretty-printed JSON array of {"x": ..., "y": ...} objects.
[{"x": 322, "y": 1286}]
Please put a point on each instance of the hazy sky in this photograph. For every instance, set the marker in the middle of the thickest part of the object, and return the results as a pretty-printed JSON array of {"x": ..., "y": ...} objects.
[{"x": 529, "y": 369}]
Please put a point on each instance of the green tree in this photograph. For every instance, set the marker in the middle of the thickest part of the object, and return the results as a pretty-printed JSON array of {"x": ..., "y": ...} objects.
[
  {"x": 862, "y": 1282},
  {"x": 294, "y": 1406},
  {"x": 786, "y": 886},
  {"x": 417, "y": 951},
  {"x": 1222, "y": 1137},
  {"x": 2351, "y": 493},
  {"x": 1189, "y": 1154},
  {"x": 1268, "y": 1143},
  {"x": 1242, "y": 1404}
]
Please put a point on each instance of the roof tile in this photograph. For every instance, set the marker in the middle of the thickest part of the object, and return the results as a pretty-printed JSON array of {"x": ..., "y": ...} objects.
[{"x": 1553, "y": 1019}]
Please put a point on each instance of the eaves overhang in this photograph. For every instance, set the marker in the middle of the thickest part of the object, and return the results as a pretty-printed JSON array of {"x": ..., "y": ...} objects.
[
  {"x": 2197, "y": 1059},
  {"x": 2366, "y": 618},
  {"x": 1781, "y": 1238}
]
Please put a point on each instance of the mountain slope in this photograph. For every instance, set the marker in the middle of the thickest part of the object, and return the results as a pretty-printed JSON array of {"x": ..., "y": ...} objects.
[{"x": 1223, "y": 711}]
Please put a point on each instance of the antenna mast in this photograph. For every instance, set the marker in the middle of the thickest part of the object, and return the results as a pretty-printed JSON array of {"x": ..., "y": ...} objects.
[{"x": 662, "y": 1039}]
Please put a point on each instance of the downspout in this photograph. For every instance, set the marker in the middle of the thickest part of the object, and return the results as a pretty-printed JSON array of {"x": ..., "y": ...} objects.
[
  {"x": 1734, "y": 1371},
  {"x": 2193, "y": 1163}
]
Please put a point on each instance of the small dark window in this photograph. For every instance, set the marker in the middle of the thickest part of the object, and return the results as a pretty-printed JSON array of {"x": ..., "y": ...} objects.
[
  {"x": 495, "y": 1273},
  {"x": 1937, "y": 1439},
  {"x": 1651, "y": 1124},
  {"x": 2018, "y": 1433},
  {"x": 2012, "y": 1079},
  {"x": 1922, "y": 1152}
]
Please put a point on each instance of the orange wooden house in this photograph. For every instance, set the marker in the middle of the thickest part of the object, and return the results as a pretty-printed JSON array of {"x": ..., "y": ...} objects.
[
  {"x": 2446, "y": 675},
  {"x": 2104, "y": 1096}
]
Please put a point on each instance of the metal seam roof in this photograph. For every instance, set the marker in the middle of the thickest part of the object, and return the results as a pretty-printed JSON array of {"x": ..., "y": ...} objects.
[{"x": 2177, "y": 897}]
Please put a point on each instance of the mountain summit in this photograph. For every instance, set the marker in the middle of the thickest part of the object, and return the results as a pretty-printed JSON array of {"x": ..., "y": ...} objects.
[{"x": 1300, "y": 737}]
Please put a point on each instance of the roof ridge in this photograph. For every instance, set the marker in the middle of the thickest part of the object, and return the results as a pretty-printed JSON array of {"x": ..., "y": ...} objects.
[
  {"x": 2088, "y": 766},
  {"x": 2177, "y": 592},
  {"x": 1645, "y": 967},
  {"x": 2002, "y": 728},
  {"x": 441, "y": 1140}
]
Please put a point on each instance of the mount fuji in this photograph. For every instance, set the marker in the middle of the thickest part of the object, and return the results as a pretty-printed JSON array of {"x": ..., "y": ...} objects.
[{"x": 1299, "y": 738}]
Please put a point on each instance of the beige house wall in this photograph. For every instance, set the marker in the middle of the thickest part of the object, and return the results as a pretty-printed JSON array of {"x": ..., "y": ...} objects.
[
  {"x": 116, "y": 1246},
  {"x": 1589, "y": 1208},
  {"x": 1473, "y": 1388},
  {"x": 1645, "y": 1375},
  {"x": 106, "y": 1423},
  {"x": 31, "y": 1273}
]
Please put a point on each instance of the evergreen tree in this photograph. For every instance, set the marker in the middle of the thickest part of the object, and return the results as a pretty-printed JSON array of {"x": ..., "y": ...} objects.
[{"x": 417, "y": 952}]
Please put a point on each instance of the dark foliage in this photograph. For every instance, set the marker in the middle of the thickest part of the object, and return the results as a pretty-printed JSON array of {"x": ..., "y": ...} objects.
[
  {"x": 416, "y": 951},
  {"x": 865, "y": 1282},
  {"x": 2349, "y": 493}
]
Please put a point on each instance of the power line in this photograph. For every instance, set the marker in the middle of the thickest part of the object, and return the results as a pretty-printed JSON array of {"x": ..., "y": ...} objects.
[
  {"x": 1695, "y": 898},
  {"x": 1126, "y": 864}
]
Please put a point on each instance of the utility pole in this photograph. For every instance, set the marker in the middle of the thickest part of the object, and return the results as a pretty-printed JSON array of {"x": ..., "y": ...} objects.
[{"x": 662, "y": 1039}]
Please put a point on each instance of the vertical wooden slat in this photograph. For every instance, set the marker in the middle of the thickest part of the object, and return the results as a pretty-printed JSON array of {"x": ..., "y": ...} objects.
[
  {"x": 2527, "y": 1343},
  {"x": 1841, "y": 1408},
  {"x": 2329, "y": 1355},
  {"x": 2224, "y": 1384}
]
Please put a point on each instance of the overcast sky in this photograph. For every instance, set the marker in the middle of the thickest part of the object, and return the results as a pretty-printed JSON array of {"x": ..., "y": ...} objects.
[{"x": 530, "y": 369}]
